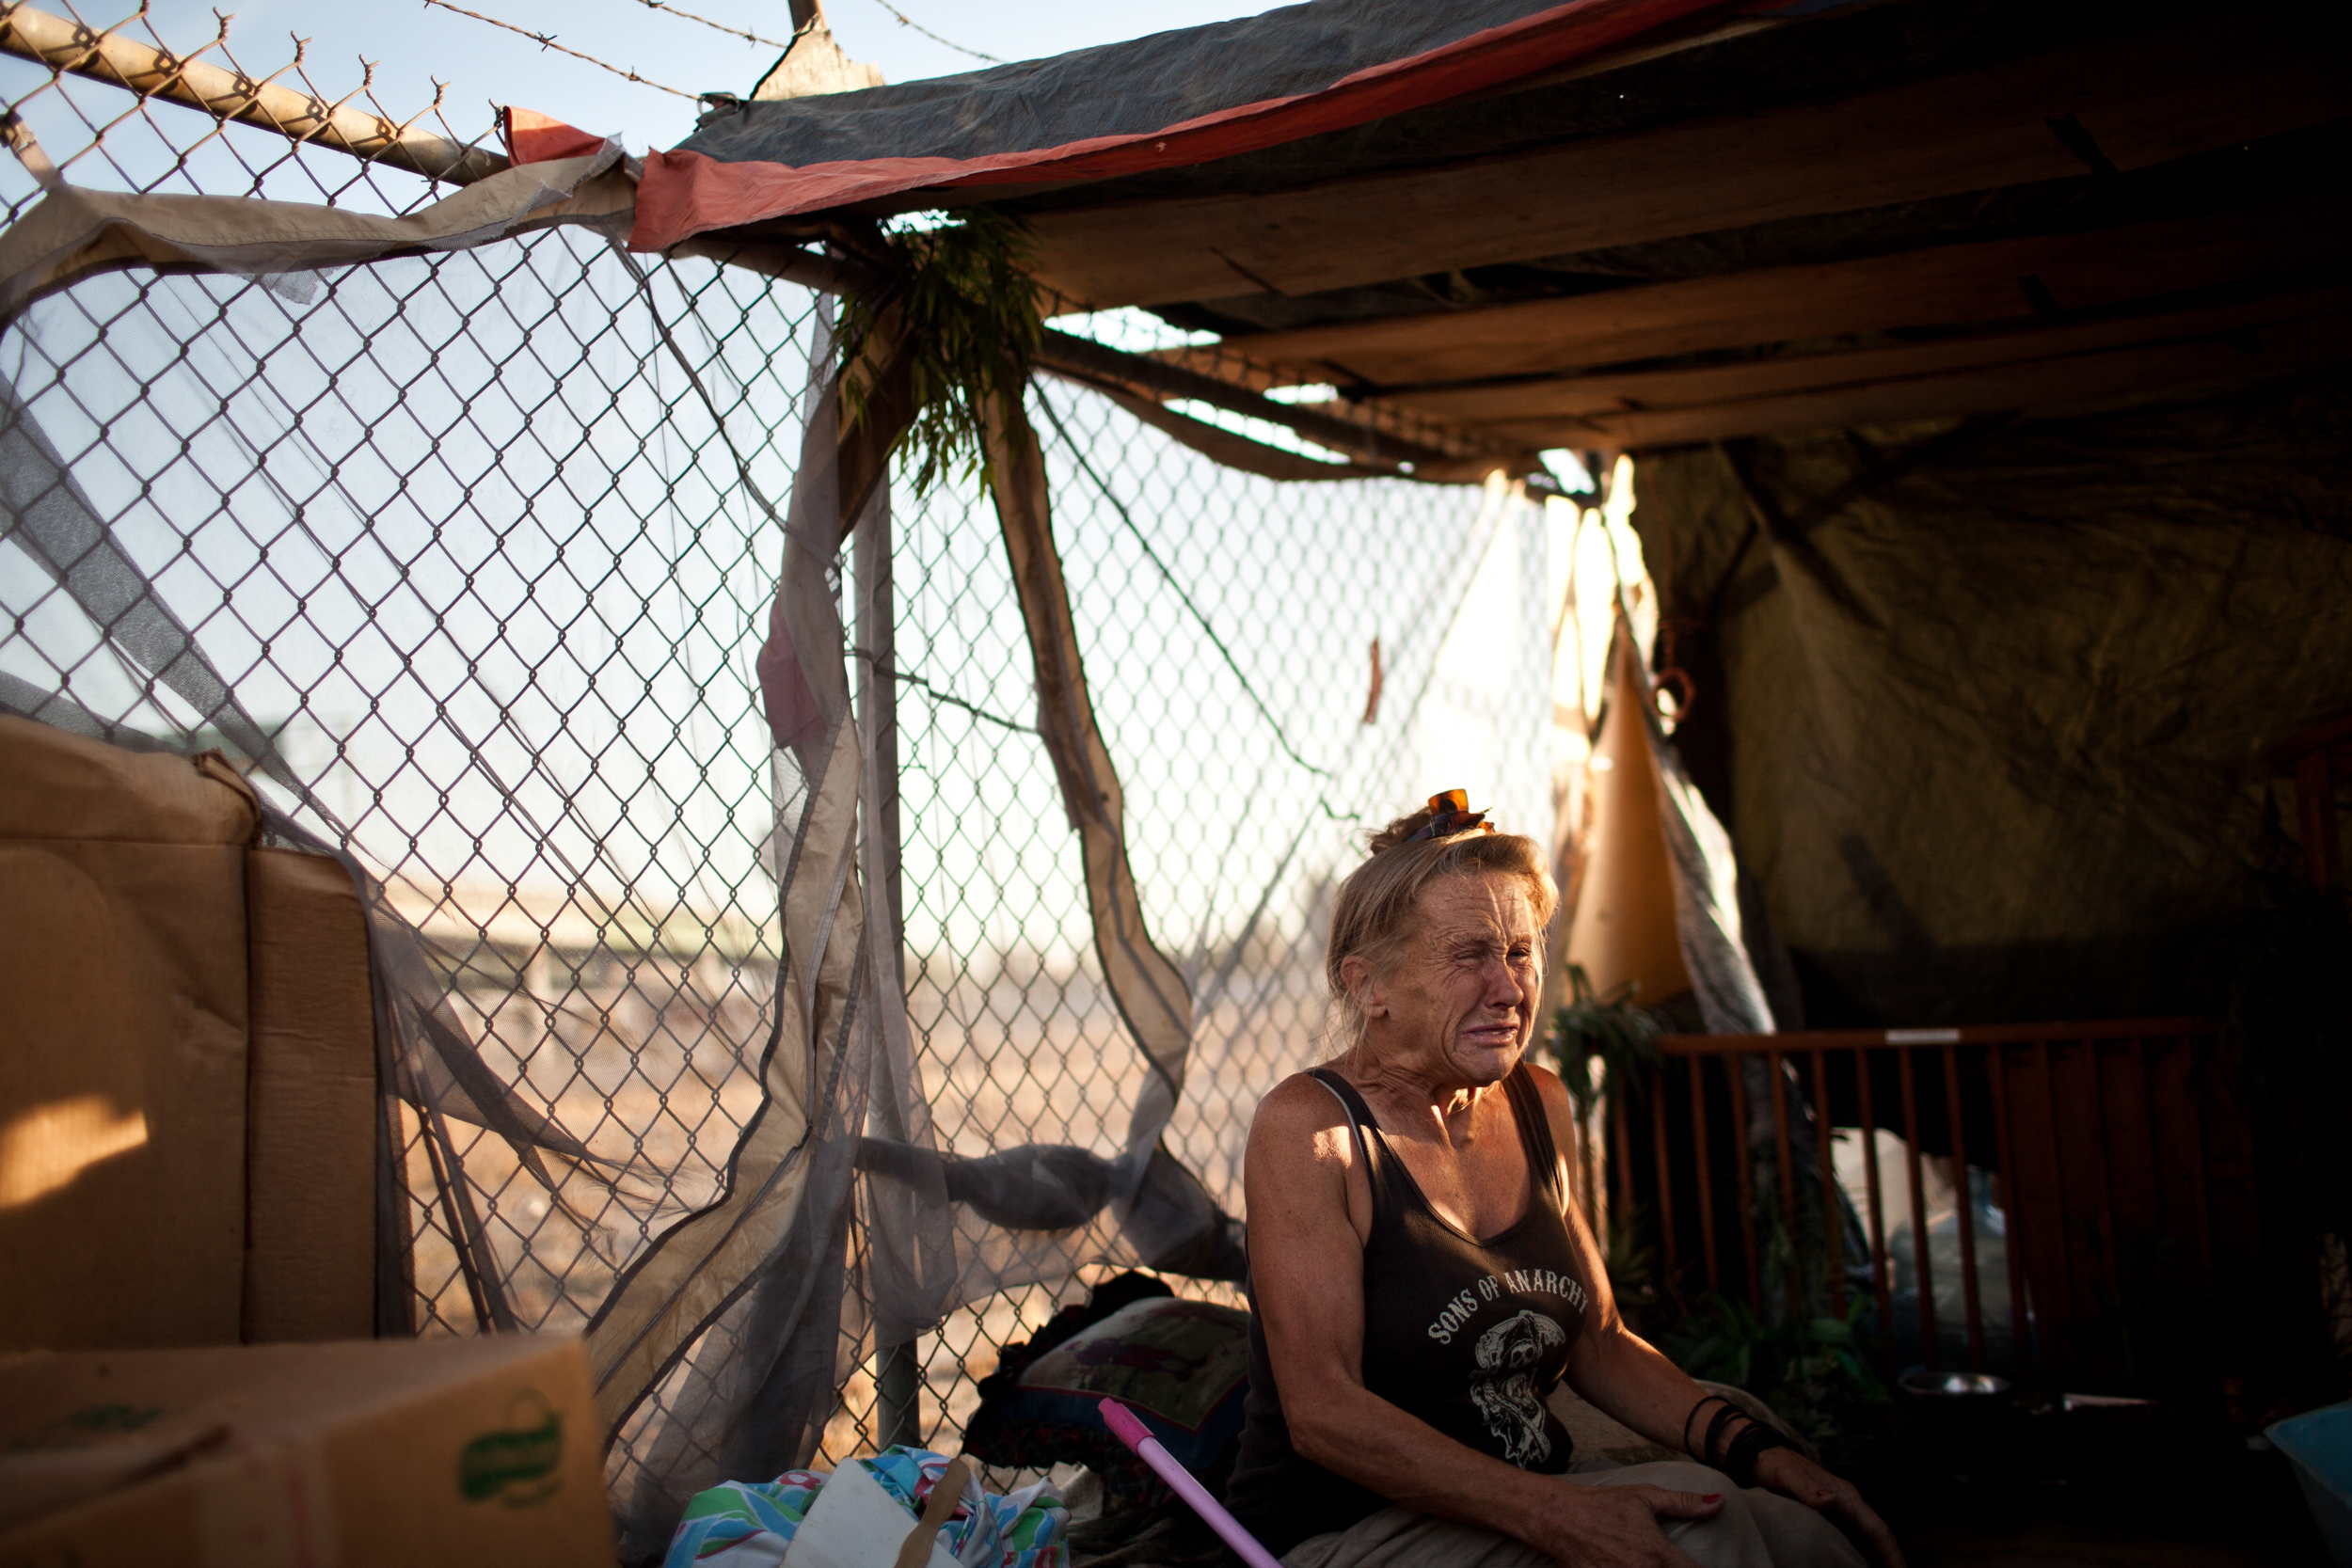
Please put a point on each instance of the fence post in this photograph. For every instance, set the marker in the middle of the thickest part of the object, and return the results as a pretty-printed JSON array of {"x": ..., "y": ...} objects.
[{"x": 897, "y": 1373}]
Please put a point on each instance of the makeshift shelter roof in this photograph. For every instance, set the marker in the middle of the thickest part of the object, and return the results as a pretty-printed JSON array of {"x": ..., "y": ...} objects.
[{"x": 1617, "y": 223}]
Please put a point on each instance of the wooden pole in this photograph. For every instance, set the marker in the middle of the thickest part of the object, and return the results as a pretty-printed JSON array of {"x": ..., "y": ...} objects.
[{"x": 224, "y": 94}]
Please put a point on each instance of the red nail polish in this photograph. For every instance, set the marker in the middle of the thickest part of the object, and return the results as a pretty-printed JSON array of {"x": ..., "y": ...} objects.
[{"x": 1712, "y": 1497}]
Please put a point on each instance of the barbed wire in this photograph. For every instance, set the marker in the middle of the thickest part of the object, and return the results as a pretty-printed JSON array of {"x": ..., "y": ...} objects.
[
  {"x": 715, "y": 26},
  {"x": 546, "y": 41},
  {"x": 906, "y": 21}
]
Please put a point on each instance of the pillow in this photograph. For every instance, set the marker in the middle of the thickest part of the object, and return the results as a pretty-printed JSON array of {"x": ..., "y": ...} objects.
[{"x": 1182, "y": 1366}]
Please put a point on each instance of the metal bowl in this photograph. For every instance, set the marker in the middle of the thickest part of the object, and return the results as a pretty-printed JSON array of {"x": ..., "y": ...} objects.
[{"x": 1953, "y": 1384}]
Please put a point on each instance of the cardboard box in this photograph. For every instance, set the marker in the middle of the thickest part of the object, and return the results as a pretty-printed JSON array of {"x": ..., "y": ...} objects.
[
  {"x": 123, "y": 1044},
  {"x": 311, "y": 1109},
  {"x": 415, "y": 1454},
  {"x": 188, "y": 1115}
]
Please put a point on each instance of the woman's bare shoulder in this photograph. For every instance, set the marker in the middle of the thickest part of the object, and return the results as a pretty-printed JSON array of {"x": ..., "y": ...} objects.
[
  {"x": 1559, "y": 1109},
  {"x": 1300, "y": 1120},
  {"x": 1548, "y": 1083},
  {"x": 1299, "y": 1103}
]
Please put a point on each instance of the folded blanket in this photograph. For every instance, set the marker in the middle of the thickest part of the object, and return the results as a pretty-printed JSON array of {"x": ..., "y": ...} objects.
[{"x": 751, "y": 1523}]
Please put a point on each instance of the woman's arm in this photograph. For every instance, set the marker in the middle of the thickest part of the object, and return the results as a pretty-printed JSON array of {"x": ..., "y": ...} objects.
[
  {"x": 1626, "y": 1377},
  {"x": 1310, "y": 1212}
]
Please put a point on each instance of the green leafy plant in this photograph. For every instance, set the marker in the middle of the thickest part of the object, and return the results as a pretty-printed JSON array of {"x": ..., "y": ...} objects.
[
  {"x": 1632, "y": 1263},
  {"x": 1809, "y": 1369},
  {"x": 961, "y": 301},
  {"x": 1608, "y": 1031}
]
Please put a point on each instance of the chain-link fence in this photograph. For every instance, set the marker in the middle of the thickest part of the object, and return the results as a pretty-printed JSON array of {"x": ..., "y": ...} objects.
[{"x": 480, "y": 561}]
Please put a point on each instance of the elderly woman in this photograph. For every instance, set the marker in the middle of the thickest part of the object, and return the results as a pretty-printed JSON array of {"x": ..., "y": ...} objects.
[{"x": 1421, "y": 1278}]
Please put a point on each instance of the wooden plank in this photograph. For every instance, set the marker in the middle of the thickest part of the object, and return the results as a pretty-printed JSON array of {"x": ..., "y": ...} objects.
[
  {"x": 2143, "y": 100},
  {"x": 1938, "y": 286},
  {"x": 1660, "y": 390},
  {"x": 2139, "y": 370}
]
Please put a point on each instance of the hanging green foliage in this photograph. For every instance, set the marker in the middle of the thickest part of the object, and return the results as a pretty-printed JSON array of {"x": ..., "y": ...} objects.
[
  {"x": 968, "y": 315},
  {"x": 1610, "y": 1030}
]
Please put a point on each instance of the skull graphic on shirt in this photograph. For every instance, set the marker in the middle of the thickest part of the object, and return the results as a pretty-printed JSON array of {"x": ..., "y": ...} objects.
[{"x": 1503, "y": 1388}]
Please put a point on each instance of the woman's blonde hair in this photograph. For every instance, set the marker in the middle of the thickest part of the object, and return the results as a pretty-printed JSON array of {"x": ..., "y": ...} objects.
[{"x": 1378, "y": 905}]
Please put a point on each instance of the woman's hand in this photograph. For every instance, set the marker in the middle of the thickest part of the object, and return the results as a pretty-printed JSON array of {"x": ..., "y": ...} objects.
[
  {"x": 1618, "y": 1526},
  {"x": 1792, "y": 1475}
]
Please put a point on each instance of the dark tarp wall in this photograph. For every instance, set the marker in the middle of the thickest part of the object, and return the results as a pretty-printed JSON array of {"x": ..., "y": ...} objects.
[{"x": 1985, "y": 704}]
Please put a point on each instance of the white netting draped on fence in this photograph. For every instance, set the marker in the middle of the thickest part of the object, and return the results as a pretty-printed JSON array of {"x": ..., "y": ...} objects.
[{"x": 477, "y": 550}]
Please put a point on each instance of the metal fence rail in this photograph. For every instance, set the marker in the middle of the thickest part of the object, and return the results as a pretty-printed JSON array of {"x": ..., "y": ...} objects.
[
  {"x": 466, "y": 538},
  {"x": 2067, "y": 1204}
]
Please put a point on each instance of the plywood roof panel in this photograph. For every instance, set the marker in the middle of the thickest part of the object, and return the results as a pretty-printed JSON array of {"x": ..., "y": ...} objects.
[
  {"x": 2016, "y": 370},
  {"x": 2124, "y": 103},
  {"x": 1939, "y": 286}
]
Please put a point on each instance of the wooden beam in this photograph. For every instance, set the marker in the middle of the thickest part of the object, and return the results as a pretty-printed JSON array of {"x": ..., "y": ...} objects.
[
  {"x": 2139, "y": 100},
  {"x": 1081, "y": 359},
  {"x": 65, "y": 45},
  {"x": 2126, "y": 371},
  {"x": 1644, "y": 391},
  {"x": 1939, "y": 286}
]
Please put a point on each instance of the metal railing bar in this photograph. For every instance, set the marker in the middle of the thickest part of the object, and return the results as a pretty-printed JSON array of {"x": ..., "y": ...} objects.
[
  {"x": 1923, "y": 1277},
  {"x": 1665, "y": 1182},
  {"x": 1974, "y": 1034},
  {"x": 1965, "y": 1206},
  {"x": 2102, "y": 1149},
  {"x": 1833, "y": 1227},
  {"x": 1788, "y": 1168},
  {"x": 1744, "y": 1167},
  {"x": 1707, "y": 1175},
  {"x": 1865, "y": 1095},
  {"x": 2012, "y": 1213},
  {"x": 2063, "y": 1276},
  {"x": 1621, "y": 1159}
]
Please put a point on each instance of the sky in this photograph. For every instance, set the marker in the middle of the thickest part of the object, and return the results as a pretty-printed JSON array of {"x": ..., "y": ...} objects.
[{"x": 413, "y": 44}]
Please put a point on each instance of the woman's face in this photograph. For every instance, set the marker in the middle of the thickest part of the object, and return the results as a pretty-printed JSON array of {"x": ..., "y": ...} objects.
[{"x": 1459, "y": 1006}]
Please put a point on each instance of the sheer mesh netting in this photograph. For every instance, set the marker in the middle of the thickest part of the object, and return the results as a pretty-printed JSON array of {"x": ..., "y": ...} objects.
[{"x": 764, "y": 1032}]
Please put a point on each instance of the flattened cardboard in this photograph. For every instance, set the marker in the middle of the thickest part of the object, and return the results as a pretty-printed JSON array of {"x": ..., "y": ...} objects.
[
  {"x": 310, "y": 1258},
  {"x": 122, "y": 1043},
  {"x": 375, "y": 1454}
]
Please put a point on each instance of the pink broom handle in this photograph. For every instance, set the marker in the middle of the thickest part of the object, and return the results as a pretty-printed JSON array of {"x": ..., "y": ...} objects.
[{"x": 1137, "y": 1436}]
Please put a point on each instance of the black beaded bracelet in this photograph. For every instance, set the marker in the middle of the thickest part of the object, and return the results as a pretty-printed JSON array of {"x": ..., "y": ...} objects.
[
  {"x": 1747, "y": 1448},
  {"x": 1705, "y": 1400},
  {"x": 1723, "y": 1418}
]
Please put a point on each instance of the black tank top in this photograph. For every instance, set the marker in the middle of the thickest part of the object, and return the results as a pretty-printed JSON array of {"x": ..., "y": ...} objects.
[{"x": 1467, "y": 1335}]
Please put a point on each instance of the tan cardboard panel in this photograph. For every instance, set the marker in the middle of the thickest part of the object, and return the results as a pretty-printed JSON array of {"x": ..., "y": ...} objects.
[
  {"x": 309, "y": 1260},
  {"x": 123, "y": 1093},
  {"x": 58, "y": 786}
]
